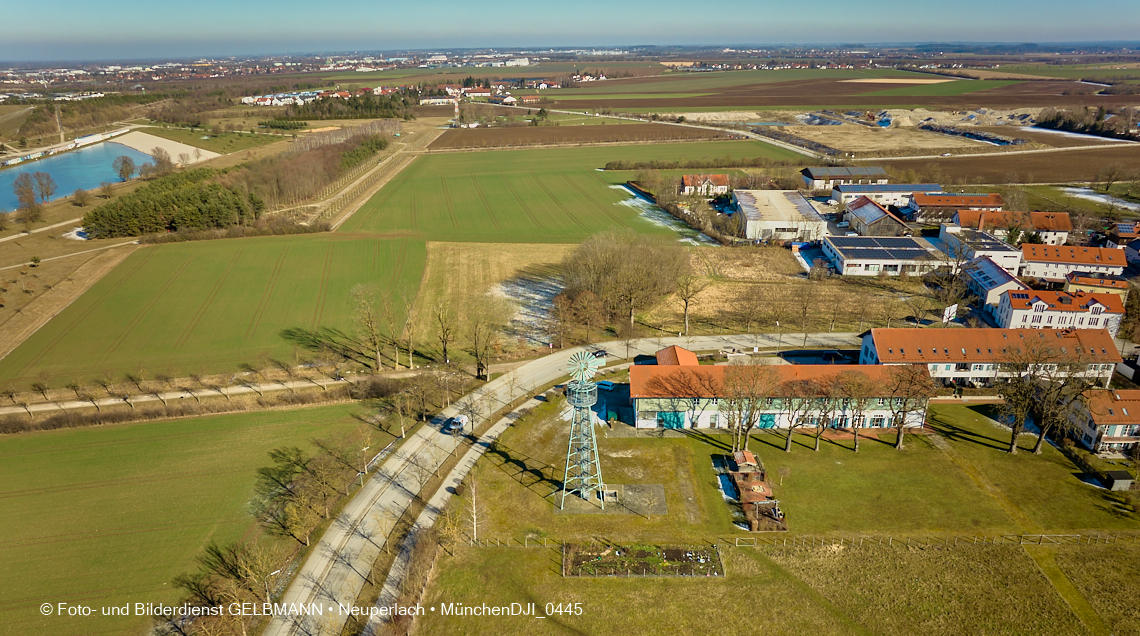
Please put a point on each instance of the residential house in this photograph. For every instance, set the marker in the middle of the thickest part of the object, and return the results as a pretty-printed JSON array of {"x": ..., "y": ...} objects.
[
  {"x": 1097, "y": 283},
  {"x": 704, "y": 184},
  {"x": 886, "y": 194},
  {"x": 825, "y": 178},
  {"x": 935, "y": 207},
  {"x": 477, "y": 91},
  {"x": 778, "y": 215},
  {"x": 1122, "y": 233},
  {"x": 678, "y": 393},
  {"x": 1032, "y": 309},
  {"x": 975, "y": 356},
  {"x": 1052, "y": 227},
  {"x": 1054, "y": 262},
  {"x": 875, "y": 256},
  {"x": 1106, "y": 420},
  {"x": 988, "y": 281},
  {"x": 871, "y": 219},
  {"x": 530, "y": 99},
  {"x": 1132, "y": 251}
]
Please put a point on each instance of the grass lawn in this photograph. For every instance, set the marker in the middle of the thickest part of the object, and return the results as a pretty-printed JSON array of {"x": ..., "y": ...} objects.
[
  {"x": 110, "y": 515},
  {"x": 979, "y": 590},
  {"x": 757, "y": 592},
  {"x": 1045, "y": 488},
  {"x": 1106, "y": 575},
  {"x": 206, "y": 307},
  {"x": 224, "y": 143},
  {"x": 531, "y": 196},
  {"x": 879, "y": 490}
]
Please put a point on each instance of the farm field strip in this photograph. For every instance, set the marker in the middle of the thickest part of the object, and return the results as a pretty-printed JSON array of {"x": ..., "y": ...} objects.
[
  {"x": 535, "y": 196},
  {"x": 110, "y": 515},
  {"x": 212, "y": 305}
]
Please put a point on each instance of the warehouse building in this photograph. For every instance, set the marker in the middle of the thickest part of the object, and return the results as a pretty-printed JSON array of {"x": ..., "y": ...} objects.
[
  {"x": 871, "y": 219},
  {"x": 888, "y": 194},
  {"x": 877, "y": 256},
  {"x": 778, "y": 214},
  {"x": 937, "y": 206},
  {"x": 825, "y": 178}
]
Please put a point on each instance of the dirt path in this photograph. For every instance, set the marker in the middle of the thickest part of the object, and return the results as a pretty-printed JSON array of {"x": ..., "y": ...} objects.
[
  {"x": 359, "y": 192},
  {"x": 40, "y": 229},
  {"x": 20, "y": 326}
]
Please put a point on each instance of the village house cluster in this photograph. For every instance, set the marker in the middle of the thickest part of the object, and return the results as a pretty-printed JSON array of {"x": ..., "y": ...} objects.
[{"x": 1035, "y": 284}]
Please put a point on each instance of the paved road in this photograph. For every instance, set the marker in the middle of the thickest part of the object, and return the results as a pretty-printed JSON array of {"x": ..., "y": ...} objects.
[{"x": 336, "y": 568}]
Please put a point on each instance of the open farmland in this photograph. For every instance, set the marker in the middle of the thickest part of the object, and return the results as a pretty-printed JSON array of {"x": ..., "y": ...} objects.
[
  {"x": 529, "y": 196},
  {"x": 828, "y": 88},
  {"x": 211, "y": 306},
  {"x": 569, "y": 135},
  {"x": 111, "y": 515},
  {"x": 1059, "y": 166}
]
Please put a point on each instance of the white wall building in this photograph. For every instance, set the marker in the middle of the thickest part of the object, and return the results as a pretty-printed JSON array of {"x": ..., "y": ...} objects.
[
  {"x": 988, "y": 281},
  {"x": 885, "y": 194},
  {"x": 975, "y": 356},
  {"x": 962, "y": 245},
  {"x": 778, "y": 214},
  {"x": 1031, "y": 309},
  {"x": 876, "y": 255},
  {"x": 1055, "y": 262}
]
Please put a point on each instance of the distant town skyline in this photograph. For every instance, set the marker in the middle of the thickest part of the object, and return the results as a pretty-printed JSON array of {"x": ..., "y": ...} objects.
[{"x": 118, "y": 30}]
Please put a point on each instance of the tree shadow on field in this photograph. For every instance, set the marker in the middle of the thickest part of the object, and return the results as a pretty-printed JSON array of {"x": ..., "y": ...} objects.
[
  {"x": 526, "y": 470},
  {"x": 955, "y": 433},
  {"x": 716, "y": 442},
  {"x": 329, "y": 340}
]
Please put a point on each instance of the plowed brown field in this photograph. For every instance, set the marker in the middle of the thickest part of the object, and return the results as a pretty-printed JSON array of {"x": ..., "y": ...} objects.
[
  {"x": 828, "y": 92},
  {"x": 1045, "y": 167},
  {"x": 569, "y": 135}
]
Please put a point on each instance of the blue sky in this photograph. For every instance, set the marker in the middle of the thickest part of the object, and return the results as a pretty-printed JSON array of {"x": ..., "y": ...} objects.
[{"x": 116, "y": 29}]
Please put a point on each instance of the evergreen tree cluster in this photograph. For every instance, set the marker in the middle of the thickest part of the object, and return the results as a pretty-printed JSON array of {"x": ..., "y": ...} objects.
[
  {"x": 396, "y": 105},
  {"x": 187, "y": 200}
]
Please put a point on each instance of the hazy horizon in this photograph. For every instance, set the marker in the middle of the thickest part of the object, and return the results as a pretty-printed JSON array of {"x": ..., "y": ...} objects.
[{"x": 116, "y": 30}]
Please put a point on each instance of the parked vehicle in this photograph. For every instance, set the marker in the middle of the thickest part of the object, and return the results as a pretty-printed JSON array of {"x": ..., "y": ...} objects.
[
  {"x": 606, "y": 385},
  {"x": 843, "y": 224}
]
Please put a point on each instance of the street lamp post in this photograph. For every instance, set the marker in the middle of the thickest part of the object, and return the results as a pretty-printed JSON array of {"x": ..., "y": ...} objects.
[{"x": 268, "y": 598}]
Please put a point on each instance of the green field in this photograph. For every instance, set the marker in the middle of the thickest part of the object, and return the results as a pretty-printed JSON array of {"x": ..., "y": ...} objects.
[
  {"x": 526, "y": 196},
  {"x": 224, "y": 143},
  {"x": 110, "y": 515},
  {"x": 1074, "y": 72},
  {"x": 210, "y": 306}
]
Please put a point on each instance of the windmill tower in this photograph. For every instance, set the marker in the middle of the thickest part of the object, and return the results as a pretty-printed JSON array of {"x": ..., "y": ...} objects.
[{"x": 583, "y": 471}]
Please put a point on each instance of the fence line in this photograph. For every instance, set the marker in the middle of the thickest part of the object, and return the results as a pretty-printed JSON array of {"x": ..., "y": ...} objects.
[{"x": 856, "y": 541}]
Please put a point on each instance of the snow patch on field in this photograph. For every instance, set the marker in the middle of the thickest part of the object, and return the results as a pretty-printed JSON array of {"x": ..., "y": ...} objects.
[
  {"x": 534, "y": 298},
  {"x": 655, "y": 215},
  {"x": 1089, "y": 195}
]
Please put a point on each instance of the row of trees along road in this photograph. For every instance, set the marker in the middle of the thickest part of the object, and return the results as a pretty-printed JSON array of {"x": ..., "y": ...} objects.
[
  {"x": 388, "y": 330},
  {"x": 748, "y": 390}
]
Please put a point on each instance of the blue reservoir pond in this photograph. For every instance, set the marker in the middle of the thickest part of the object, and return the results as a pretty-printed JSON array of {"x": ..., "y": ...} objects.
[{"x": 83, "y": 168}]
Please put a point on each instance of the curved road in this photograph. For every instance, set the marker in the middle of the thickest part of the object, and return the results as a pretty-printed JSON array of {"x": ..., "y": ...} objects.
[{"x": 339, "y": 564}]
